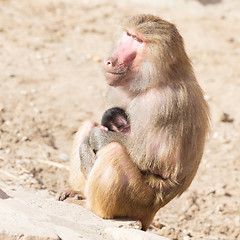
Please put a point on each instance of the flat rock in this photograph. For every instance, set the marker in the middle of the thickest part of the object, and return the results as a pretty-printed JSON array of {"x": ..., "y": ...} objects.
[
  {"x": 3, "y": 195},
  {"x": 32, "y": 216},
  {"x": 131, "y": 234}
]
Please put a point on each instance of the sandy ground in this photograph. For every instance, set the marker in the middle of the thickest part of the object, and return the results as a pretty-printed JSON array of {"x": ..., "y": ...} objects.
[{"x": 51, "y": 79}]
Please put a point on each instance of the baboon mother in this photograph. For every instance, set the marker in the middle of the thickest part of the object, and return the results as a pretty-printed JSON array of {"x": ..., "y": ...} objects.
[{"x": 151, "y": 78}]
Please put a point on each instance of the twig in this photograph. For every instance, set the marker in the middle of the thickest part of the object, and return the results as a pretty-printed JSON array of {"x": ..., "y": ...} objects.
[
  {"x": 11, "y": 176},
  {"x": 58, "y": 165}
]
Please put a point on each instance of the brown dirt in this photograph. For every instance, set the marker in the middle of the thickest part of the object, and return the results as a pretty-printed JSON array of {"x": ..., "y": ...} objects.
[{"x": 51, "y": 80}]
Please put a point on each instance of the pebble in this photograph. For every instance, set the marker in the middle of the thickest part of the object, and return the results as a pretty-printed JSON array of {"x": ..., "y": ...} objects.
[
  {"x": 216, "y": 135},
  {"x": 26, "y": 160},
  {"x": 24, "y": 138},
  {"x": 88, "y": 57},
  {"x": 237, "y": 220},
  {"x": 64, "y": 157},
  {"x": 33, "y": 90},
  {"x": 8, "y": 122},
  {"x": 36, "y": 110},
  {"x": 46, "y": 60},
  {"x": 220, "y": 192},
  {"x": 19, "y": 134},
  {"x": 24, "y": 92},
  {"x": 16, "y": 131},
  {"x": 8, "y": 150},
  {"x": 59, "y": 11},
  {"x": 209, "y": 213},
  {"x": 39, "y": 57},
  {"x": 220, "y": 207},
  {"x": 78, "y": 29},
  {"x": 25, "y": 176},
  {"x": 231, "y": 40},
  {"x": 96, "y": 59},
  {"x": 68, "y": 50},
  {"x": 226, "y": 118},
  {"x": 2, "y": 151},
  {"x": 10, "y": 75}
]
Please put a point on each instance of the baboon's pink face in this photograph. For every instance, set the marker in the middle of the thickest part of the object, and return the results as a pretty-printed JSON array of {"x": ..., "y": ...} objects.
[{"x": 125, "y": 61}]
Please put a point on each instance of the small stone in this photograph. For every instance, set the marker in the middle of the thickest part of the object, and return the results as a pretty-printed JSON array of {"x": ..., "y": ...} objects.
[
  {"x": 226, "y": 118},
  {"x": 36, "y": 110},
  {"x": 227, "y": 194},
  {"x": 46, "y": 60},
  {"x": 8, "y": 150},
  {"x": 231, "y": 40},
  {"x": 59, "y": 11},
  {"x": 220, "y": 191},
  {"x": 16, "y": 131},
  {"x": 2, "y": 151},
  {"x": 39, "y": 56},
  {"x": 24, "y": 92},
  {"x": 68, "y": 50},
  {"x": 88, "y": 56},
  {"x": 96, "y": 59},
  {"x": 237, "y": 221},
  {"x": 220, "y": 207},
  {"x": 8, "y": 122},
  {"x": 3, "y": 195},
  {"x": 215, "y": 135},
  {"x": 64, "y": 157},
  {"x": 19, "y": 134},
  {"x": 26, "y": 160},
  {"x": 78, "y": 29},
  {"x": 10, "y": 75},
  {"x": 24, "y": 138},
  {"x": 25, "y": 176},
  {"x": 33, "y": 90}
]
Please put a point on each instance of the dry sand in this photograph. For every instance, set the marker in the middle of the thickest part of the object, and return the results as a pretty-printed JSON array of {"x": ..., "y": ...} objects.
[{"x": 51, "y": 79}]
